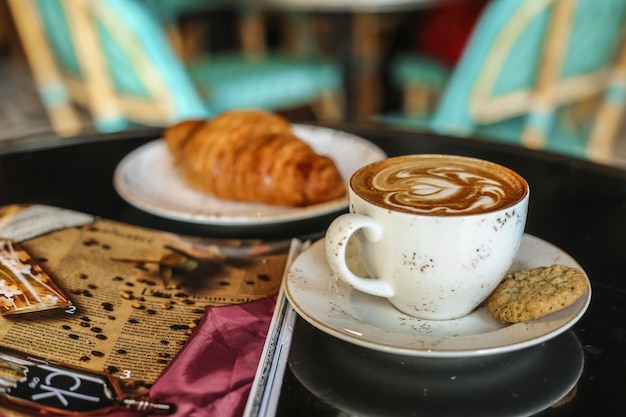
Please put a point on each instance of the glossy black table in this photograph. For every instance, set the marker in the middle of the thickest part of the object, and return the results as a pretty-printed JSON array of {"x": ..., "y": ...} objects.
[{"x": 576, "y": 205}]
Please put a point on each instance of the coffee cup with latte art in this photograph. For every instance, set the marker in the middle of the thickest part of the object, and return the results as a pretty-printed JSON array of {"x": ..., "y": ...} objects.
[{"x": 436, "y": 233}]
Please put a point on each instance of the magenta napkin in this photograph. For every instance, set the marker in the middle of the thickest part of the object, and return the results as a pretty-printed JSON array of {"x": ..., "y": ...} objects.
[{"x": 213, "y": 373}]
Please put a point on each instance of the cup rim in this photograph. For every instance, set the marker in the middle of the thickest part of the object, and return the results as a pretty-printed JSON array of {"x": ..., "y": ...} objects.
[{"x": 522, "y": 199}]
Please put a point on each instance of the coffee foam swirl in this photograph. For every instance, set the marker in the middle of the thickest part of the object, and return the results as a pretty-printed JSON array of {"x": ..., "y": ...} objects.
[{"x": 442, "y": 185}]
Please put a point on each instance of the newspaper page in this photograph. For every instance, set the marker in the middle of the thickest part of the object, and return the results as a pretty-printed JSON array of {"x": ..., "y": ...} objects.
[{"x": 136, "y": 294}]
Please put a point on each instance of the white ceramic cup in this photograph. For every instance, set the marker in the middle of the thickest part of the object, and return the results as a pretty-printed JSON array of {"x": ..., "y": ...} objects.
[{"x": 436, "y": 233}]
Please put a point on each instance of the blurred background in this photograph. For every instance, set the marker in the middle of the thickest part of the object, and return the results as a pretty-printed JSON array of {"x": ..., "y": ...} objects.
[{"x": 547, "y": 74}]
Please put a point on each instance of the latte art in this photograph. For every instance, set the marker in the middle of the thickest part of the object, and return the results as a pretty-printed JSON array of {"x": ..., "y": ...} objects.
[
  {"x": 447, "y": 189},
  {"x": 439, "y": 185}
]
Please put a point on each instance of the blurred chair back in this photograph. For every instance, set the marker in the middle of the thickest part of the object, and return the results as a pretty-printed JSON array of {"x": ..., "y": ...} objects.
[
  {"x": 116, "y": 61},
  {"x": 526, "y": 64},
  {"x": 114, "y": 58}
]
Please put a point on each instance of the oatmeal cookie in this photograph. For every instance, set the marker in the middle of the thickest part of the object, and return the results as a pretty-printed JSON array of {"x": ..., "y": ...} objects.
[{"x": 532, "y": 293}]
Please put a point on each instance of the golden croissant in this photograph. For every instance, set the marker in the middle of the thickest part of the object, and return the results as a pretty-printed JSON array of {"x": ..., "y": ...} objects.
[{"x": 252, "y": 156}]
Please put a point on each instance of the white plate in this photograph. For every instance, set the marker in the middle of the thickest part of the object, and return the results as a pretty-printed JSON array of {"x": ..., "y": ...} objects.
[
  {"x": 147, "y": 179},
  {"x": 335, "y": 308}
]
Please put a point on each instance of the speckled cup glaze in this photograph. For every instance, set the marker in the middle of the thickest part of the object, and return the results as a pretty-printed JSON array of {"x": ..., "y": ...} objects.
[{"x": 438, "y": 242}]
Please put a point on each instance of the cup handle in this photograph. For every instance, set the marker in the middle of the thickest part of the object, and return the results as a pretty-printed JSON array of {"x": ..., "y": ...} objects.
[{"x": 336, "y": 243}]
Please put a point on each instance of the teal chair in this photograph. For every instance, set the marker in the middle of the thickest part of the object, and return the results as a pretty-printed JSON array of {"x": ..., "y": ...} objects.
[
  {"x": 114, "y": 58},
  {"x": 533, "y": 73}
]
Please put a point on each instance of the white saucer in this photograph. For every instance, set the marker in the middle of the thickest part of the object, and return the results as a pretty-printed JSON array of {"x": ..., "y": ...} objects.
[
  {"x": 335, "y": 308},
  {"x": 147, "y": 179}
]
